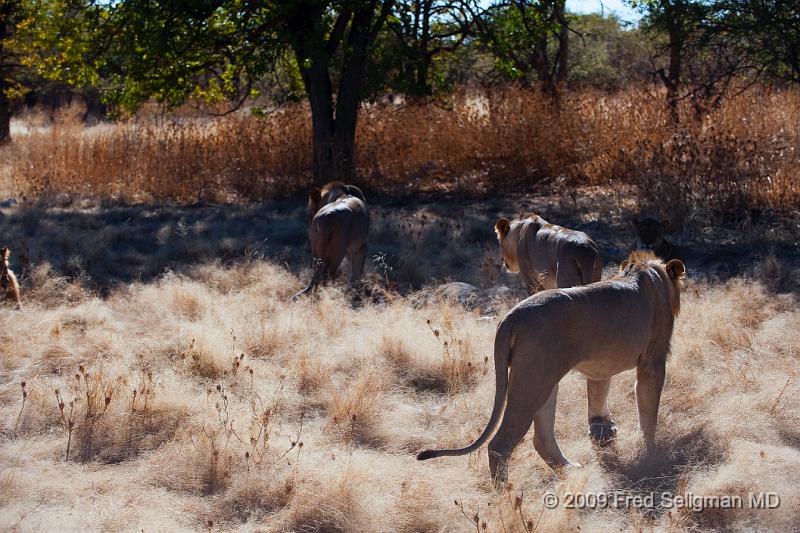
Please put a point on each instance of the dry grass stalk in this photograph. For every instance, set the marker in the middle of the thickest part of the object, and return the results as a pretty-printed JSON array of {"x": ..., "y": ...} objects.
[{"x": 739, "y": 156}]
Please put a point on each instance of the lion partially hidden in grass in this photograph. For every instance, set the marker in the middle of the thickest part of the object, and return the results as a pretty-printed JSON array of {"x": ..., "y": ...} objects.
[
  {"x": 600, "y": 330},
  {"x": 8, "y": 281},
  {"x": 547, "y": 256},
  {"x": 339, "y": 227},
  {"x": 651, "y": 235}
]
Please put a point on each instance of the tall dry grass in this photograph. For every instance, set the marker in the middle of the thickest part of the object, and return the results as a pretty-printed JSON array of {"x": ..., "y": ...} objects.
[
  {"x": 742, "y": 155},
  {"x": 207, "y": 401}
]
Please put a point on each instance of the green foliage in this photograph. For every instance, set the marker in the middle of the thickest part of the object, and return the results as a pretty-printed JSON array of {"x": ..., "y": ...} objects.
[
  {"x": 606, "y": 55},
  {"x": 173, "y": 51},
  {"x": 54, "y": 41},
  {"x": 414, "y": 50},
  {"x": 768, "y": 32},
  {"x": 223, "y": 51},
  {"x": 513, "y": 34},
  {"x": 136, "y": 50}
]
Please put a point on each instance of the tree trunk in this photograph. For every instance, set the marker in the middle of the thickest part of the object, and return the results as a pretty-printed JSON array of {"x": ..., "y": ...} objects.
[
  {"x": 5, "y": 115},
  {"x": 6, "y": 12},
  {"x": 333, "y": 135},
  {"x": 349, "y": 96},
  {"x": 673, "y": 77},
  {"x": 424, "y": 59},
  {"x": 562, "y": 69},
  {"x": 541, "y": 64},
  {"x": 334, "y": 125},
  {"x": 422, "y": 87},
  {"x": 320, "y": 98}
]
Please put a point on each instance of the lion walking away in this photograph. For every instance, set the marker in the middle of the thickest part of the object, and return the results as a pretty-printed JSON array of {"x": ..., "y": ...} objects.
[
  {"x": 600, "y": 330},
  {"x": 339, "y": 227},
  {"x": 547, "y": 256}
]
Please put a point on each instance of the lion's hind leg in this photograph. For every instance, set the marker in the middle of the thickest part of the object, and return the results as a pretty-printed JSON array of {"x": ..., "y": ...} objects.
[
  {"x": 334, "y": 254},
  {"x": 333, "y": 261},
  {"x": 357, "y": 259},
  {"x": 602, "y": 429},
  {"x": 316, "y": 279},
  {"x": 527, "y": 403},
  {"x": 544, "y": 435},
  {"x": 649, "y": 383}
]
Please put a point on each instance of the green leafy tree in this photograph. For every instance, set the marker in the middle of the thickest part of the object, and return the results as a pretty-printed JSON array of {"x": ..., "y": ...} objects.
[
  {"x": 521, "y": 33},
  {"x": 12, "y": 12},
  {"x": 425, "y": 30},
  {"x": 767, "y": 32},
  {"x": 217, "y": 50},
  {"x": 46, "y": 39},
  {"x": 713, "y": 45},
  {"x": 606, "y": 55},
  {"x": 680, "y": 21}
]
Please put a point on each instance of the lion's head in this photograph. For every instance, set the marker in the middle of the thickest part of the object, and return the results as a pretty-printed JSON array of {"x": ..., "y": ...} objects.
[
  {"x": 650, "y": 233},
  {"x": 508, "y": 237},
  {"x": 330, "y": 192},
  {"x": 672, "y": 272}
]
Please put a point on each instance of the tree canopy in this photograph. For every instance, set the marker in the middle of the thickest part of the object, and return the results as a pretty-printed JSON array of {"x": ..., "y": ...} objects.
[{"x": 335, "y": 53}]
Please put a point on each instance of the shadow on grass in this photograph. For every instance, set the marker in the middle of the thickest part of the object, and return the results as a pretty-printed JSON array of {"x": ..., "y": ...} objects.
[
  {"x": 412, "y": 244},
  {"x": 641, "y": 474}
]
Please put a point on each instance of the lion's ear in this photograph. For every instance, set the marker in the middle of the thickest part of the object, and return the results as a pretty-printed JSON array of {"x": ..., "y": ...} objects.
[
  {"x": 352, "y": 190},
  {"x": 624, "y": 265},
  {"x": 314, "y": 198},
  {"x": 675, "y": 269},
  {"x": 501, "y": 227}
]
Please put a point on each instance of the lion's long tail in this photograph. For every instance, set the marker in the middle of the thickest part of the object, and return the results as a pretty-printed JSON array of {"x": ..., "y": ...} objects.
[
  {"x": 502, "y": 359},
  {"x": 318, "y": 252}
]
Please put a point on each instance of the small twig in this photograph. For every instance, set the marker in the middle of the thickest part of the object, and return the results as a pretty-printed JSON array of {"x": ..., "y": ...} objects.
[
  {"x": 70, "y": 427},
  {"x": 25, "y": 515},
  {"x": 69, "y": 424},
  {"x": 780, "y": 396},
  {"x": 516, "y": 506},
  {"x": 475, "y": 520},
  {"x": 535, "y": 527}
]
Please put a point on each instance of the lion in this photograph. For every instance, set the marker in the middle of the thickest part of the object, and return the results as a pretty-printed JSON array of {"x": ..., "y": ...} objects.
[
  {"x": 650, "y": 235},
  {"x": 600, "y": 330},
  {"x": 547, "y": 256},
  {"x": 8, "y": 280},
  {"x": 339, "y": 222}
]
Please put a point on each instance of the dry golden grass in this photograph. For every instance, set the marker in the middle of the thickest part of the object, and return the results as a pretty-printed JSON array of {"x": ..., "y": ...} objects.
[
  {"x": 208, "y": 401},
  {"x": 740, "y": 156},
  {"x": 159, "y": 379}
]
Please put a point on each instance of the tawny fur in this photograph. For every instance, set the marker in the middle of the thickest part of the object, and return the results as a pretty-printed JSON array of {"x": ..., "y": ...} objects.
[
  {"x": 339, "y": 227},
  {"x": 8, "y": 280},
  {"x": 600, "y": 330},
  {"x": 547, "y": 256}
]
